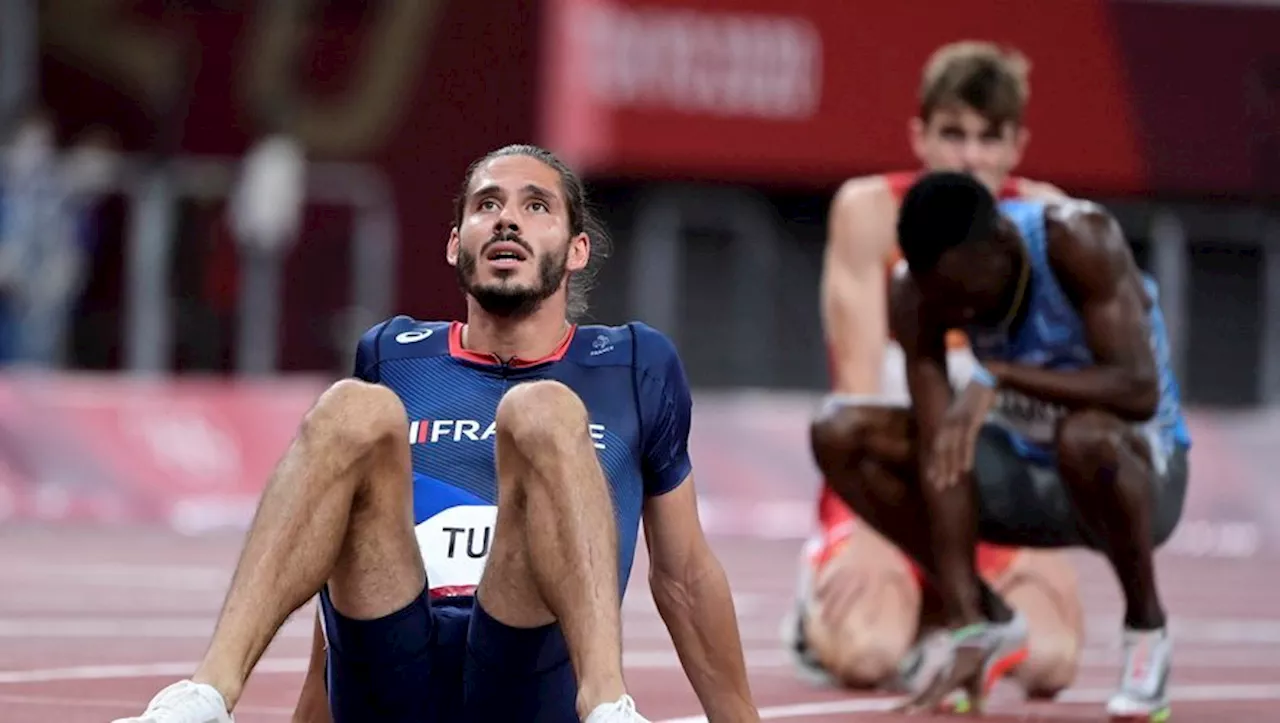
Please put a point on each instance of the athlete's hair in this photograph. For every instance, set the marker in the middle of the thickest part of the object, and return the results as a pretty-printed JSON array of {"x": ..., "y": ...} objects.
[
  {"x": 581, "y": 217},
  {"x": 983, "y": 76},
  {"x": 940, "y": 211}
]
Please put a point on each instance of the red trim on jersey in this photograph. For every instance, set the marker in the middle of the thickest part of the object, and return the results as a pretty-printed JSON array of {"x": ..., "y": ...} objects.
[
  {"x": 457, "y": 351},
  {"x": 900, "y": 181},
  {"x": 832, "y": 511},
  {"x": 437, "y": 593},
  {"x": 991, "y": 561}
]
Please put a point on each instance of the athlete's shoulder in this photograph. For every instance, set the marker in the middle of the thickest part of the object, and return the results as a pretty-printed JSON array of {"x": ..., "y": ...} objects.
[
  {"x": 862, "y": 191},
  {"x": 666, "y": 402},
  {"x": 861, "y": 222},
  {"x": 402, "y": 329},
  {"x": 650, "y": 352},
  {"x": 1028, "y": 189},
  {"x": 597, "y": 345},
  {"x": 1086, "y": 246},
  {"x": 654, "y": 349},
  {"x": 632, "y": 343},
  {"x": 399, "y": 337},
  {"x": 1079, "y": 220}
]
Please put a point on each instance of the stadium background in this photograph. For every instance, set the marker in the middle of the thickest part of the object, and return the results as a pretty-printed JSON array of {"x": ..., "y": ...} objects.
[{"x": 712, "y": 134}]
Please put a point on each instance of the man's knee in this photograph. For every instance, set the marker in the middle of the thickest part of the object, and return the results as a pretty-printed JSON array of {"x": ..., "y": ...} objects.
[
  {"x": 861, "y": 642},
  {"x": 860, "y": 656},
  {"x": 867, "y": 660},
  {"x": 353, "y": 416},
  {"x": 1050, "y": 667},
  {"x": 1090, "y": 440},
  {"x": 541, "y": 415},
  {"x": 1044, "y": 588},
  {"x": 838, "y": 436}
]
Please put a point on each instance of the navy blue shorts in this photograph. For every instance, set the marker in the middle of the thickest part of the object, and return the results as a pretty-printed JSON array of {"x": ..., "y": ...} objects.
[{"x": 446, "y": 661}]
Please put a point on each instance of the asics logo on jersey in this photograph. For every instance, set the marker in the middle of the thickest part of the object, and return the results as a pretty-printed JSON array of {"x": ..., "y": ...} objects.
[
  {"x": 409, "y": 337},
  {"x": 434, "y": 431}
]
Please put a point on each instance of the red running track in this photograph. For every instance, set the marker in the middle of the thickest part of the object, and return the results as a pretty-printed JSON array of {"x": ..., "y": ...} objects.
[{"x": 94, "y": 621}]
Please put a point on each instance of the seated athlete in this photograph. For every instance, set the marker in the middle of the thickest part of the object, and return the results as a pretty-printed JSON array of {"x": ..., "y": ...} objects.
[
  {"x": 862, "y": 614},
  {"x": 1070, "y": 432},
  {"x": 468, "y": 507}
]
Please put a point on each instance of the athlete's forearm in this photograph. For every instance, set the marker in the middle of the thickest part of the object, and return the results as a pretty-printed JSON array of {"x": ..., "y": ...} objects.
[
  {"x": 697, "y": 607},
  {"x": 1111, "y": 389},
  {"x": 941, "y": 423}
]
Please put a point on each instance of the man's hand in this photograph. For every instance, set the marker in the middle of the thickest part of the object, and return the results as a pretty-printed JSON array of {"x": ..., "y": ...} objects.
[
  {"x": 953, "y": 446},
  {"x": 692, "y": 594}
]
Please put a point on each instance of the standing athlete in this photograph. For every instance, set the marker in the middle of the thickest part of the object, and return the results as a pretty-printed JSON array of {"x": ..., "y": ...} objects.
[
  {"x": 1069, "y": 433},
  {"x": 862, "y": 612},
  {"x": 516, "y": 456}
]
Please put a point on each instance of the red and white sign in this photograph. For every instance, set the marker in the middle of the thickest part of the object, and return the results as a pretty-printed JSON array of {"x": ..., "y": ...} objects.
[{"x": 812, "y": 91}]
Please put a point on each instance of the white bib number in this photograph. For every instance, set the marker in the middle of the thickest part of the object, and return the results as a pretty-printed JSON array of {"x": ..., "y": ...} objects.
[
  {"x": 1032, "y": 419},
  {"x": 455, "y": 545}
]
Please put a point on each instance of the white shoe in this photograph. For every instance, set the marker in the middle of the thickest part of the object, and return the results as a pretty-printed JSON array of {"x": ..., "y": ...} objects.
[
  {"x": 927, "y": 659},
  {"x": 185, "y": 702},
  {"x": 622, "y": 710},
  {"x": 1004, "y": 648},
  {"x": 1144, "y": 694}
]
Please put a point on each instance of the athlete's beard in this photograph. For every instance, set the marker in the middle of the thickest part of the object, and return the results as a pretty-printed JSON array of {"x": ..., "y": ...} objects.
[{"x": 507, "y": 299}]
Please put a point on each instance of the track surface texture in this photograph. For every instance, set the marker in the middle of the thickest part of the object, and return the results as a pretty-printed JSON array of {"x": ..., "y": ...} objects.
[{"x": 94, "y": 620}]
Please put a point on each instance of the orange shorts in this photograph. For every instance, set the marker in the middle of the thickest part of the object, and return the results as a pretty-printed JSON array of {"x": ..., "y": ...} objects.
[{"x": 837, "y": 523}]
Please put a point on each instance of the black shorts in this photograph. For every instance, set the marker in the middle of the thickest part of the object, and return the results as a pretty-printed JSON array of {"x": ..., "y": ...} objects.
[
  {"x": 1023, "y": 503},
  {"x": 446, "y": 662}
]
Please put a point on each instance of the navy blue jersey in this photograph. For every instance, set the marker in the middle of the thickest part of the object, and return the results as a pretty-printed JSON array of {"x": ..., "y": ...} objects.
[{"x": 629, "y": 377}]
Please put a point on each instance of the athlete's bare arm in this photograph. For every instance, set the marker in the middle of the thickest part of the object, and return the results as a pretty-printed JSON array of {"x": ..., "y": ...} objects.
[
  {"x": 924, "y": 351},
  {"x": 944, "y": 426},
  {"x": 1096, "y": 269},
  {"x": 860, "y": 237},
  {"x": 692, "y": 594}
]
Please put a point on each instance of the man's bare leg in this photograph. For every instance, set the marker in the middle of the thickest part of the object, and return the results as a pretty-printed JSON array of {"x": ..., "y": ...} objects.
[
  {"x": 337, "y": 509},
  {"x": 555, "y": 547},
  {"x": 861, "y": 617},
  {"x": 1042, "y": 585},
  {"x": 1107, "y": 467},
  {"x": 867, "y": 454}
]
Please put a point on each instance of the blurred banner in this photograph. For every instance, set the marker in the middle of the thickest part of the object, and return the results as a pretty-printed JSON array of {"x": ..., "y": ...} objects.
[
  {"x": 1126, "y": 94},
  {"x": 414, "y": 89},
  {"x": 811, "y": 91},
  {"x": 194, "y": 455},
  {"x": 1128, "y": 98}
]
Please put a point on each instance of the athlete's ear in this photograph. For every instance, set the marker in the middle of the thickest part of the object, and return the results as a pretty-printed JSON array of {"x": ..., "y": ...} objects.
[
  {"x": 579, "y": 252},
  {"x": 451, "y": 248},
  {"x": 1021, "y": 137},
  {"x": 915, "y": 136}
]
